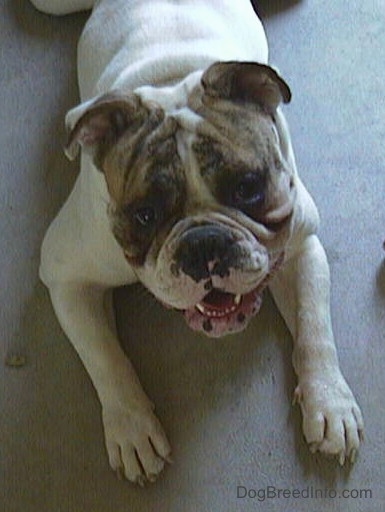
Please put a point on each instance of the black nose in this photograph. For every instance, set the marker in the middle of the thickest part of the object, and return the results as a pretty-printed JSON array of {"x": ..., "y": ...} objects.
[{"x": 202, "y": 245}]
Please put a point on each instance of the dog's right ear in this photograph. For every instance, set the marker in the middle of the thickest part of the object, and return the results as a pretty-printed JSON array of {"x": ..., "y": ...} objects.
[{"x": 97, "y": 124}]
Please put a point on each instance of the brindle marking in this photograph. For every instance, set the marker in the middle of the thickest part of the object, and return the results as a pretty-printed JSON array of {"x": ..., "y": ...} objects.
[
  {"x": 134, "y": 144},
  {"x": 154, "y": 180}
]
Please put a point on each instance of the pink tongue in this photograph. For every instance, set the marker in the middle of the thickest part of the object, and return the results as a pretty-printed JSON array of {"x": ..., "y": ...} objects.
[
  {"x": 216, "y": 325},
  {"x": 218, "y": 300}
]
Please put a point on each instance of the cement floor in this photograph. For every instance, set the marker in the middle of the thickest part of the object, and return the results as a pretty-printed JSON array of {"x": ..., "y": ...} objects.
[{"x": 226, "y": 405}]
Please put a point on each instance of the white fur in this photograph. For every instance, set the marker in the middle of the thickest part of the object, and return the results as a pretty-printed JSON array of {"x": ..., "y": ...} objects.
[{"x": 129, "y": 44}]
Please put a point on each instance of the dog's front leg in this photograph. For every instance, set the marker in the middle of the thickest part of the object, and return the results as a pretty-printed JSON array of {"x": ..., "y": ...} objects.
[
  {"x": 135, "y": 441},
  {"x": 332, "y": 420}
]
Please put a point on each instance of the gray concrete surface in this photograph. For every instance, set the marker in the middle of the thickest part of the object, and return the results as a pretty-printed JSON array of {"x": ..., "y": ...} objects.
[{"x": 226, "y": 405}]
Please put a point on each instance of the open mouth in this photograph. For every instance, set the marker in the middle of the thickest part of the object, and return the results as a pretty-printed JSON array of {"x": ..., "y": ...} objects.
[
  {"x": 217, "y": 304},
  {"x": 220, "y": 313}
]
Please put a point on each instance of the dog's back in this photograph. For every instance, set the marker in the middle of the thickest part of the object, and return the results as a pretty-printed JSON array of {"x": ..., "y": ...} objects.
[{"x": 150, "y": 42}]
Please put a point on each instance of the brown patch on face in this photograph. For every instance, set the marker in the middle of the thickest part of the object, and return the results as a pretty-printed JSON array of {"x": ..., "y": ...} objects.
[
  {"x": 134, "y": 144},
  {"x": 148, "y": 187},
  {"x": 238, "y": 148},
  {"x": 237, "y": 151},
  {"x": 117, "y": 160}
]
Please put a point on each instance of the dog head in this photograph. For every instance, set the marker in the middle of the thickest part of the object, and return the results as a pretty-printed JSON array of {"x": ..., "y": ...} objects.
[{"x": 200, "y": 184}]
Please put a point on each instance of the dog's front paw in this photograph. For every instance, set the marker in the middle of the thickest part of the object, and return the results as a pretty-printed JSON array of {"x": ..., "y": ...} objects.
[
  {"x": 136, "y": 443},
  {"x": 332, "y": 420}
]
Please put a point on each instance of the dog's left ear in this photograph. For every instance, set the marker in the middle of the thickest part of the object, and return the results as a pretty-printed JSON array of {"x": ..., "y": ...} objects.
[{"x": 246, "y": 82}]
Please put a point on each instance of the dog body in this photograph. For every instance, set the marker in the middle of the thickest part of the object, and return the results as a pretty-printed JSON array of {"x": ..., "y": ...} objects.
[{"x": 188, "y": 183}]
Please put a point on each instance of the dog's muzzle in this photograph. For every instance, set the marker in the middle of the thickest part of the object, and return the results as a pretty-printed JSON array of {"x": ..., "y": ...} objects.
[{"x": 211, "y": 255}]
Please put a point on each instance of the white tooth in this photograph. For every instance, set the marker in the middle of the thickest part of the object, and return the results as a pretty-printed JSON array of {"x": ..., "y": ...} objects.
[
  {"x": 200, "y": 308},
  {"x": 237, "y": 299}
]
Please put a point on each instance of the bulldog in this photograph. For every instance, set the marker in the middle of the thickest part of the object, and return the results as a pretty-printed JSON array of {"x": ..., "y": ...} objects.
[{"x": 188, "y": 184}]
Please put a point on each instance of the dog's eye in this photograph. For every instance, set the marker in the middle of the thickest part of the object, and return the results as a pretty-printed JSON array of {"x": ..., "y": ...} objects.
[
  {"x": 248, "y": 190},
  {"x": 145, "y": 216}
]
